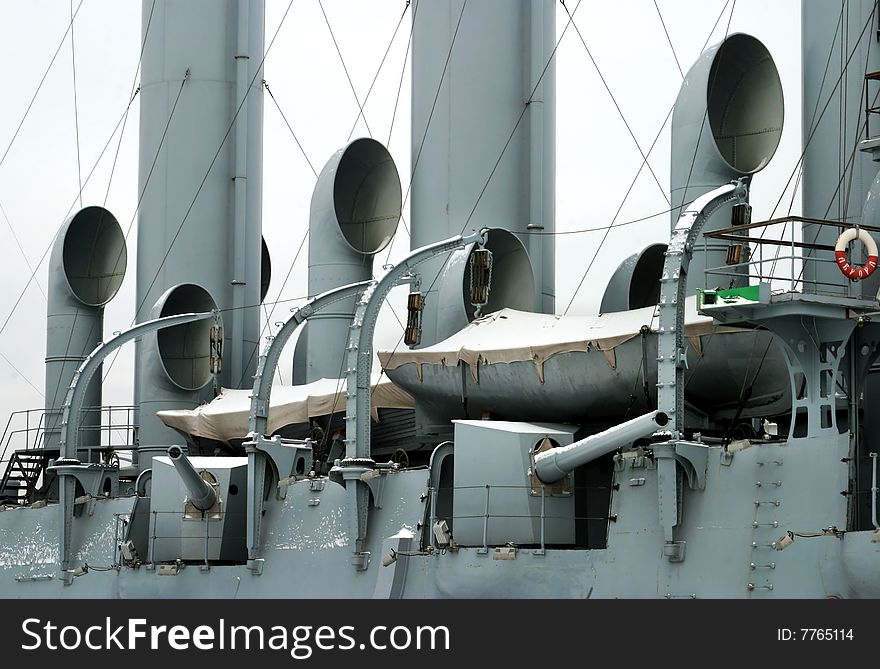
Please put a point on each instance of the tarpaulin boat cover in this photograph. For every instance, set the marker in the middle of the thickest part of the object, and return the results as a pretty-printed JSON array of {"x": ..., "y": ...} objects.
[
  {"x": 517, "y": 336},
  {"x": 226, "y": 416}
]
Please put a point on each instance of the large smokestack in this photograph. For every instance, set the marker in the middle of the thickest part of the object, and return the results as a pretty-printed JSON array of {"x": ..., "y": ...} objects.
[
  {"x": 87, "y": 267},
  {"x": 727, "y": 123},
  {"x": 196, "y": 230},
  {"x": 838, "y": 44},
  {"x": 458, "y": 134}
]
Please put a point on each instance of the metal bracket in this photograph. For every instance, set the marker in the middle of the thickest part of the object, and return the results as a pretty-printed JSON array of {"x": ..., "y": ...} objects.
[
  {"x": 91, "y": 476},
  {"x": 674, "y": 550},
  {"x": 354, "y": 473},
  {"x": 361, "y": 560},
  {"x": 375, "y": 479},
  {"x": 694, "y": 459},
  {"x": 283, "y": 454}
]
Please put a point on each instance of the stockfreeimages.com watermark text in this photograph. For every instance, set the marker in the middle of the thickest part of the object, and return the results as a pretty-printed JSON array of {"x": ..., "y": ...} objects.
[{"x": 300, "y": 641}]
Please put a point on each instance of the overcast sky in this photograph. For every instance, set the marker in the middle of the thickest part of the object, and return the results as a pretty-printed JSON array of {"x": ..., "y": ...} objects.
[{"x": 596, "y": 157}]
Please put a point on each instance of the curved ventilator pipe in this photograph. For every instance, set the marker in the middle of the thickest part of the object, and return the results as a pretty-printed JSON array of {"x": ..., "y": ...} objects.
[
  {"x": 178, "y": 366},
  {"x": 354, "y": 214},
  {"x": 727, "y": 124},
  {"x": 87, "y": 267}
]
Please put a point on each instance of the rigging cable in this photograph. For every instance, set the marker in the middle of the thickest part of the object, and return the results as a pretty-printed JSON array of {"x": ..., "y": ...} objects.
[
  {"x": 668, "y": 39},
  {"x": 798, "y": 166},
  {"x": 134, "y": 91},
  {"x": 373, "y": 83},
  {"x": 314, "y": 171},
  {"x": 394, "y": 114},
  {"x": 24, "y": 118},
  {"x": 213, "y": 161},
  {"x": 302, "y": 150},
  {"x": 292, "y": 133},
  {"x": 33, "y": 273},
  {"x": 144, "y": 191},
  {"x": 617, "y": 106},
  {"x": 361, "y": 113},
  {"x": 75, "y": 106},
  {"x": 402, "y": 71},
  {"x": 40, "y": 85},
  {"x": 347, "y": 75},
  {"x": 711, "y": 89},
  {"x": 79, "y": 194},
  {"x": 503, "y": 149},
  {"x": 49, "y": 247},
  {"x": 643, "y": 164},
  {"x": 21, "y": 250},
  {"x": 825, "y": 108}
]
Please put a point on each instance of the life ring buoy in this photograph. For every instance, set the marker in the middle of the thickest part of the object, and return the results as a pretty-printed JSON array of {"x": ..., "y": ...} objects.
[{"x": 856, "y": 272}]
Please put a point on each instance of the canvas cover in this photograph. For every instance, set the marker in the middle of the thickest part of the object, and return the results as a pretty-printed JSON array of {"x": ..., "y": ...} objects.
[{"x": 226, "y": 416}]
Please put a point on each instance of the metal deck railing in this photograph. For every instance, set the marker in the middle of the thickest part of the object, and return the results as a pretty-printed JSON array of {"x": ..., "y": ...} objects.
[{"x": 781, "y": 257}]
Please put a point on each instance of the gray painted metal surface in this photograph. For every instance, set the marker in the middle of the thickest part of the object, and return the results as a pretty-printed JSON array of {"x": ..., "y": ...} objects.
[
  {"x": 583, "y": 384},
  {"x": 726, "y": 124},
  {"x": 838, "y": 47},
  {"x": 496, "y": 505},
  {"x": 674, "y": 284},
  {"x": 683, "y": 516},
  {"x": 87, "y": 266},
  {"x": 197, "y": 190},
  {"x": 199, "y": 492},
  {"x": 723, "y": 559},
  {"x": 354, "y": 214},
  {"x": 496, "y": 85}
]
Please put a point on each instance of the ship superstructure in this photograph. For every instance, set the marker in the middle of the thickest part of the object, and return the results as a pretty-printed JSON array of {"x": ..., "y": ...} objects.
[{"x": 706, "y": 435}]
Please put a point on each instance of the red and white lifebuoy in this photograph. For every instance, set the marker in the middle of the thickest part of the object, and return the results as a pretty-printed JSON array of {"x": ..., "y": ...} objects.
[{"x": 856, "y": 272}]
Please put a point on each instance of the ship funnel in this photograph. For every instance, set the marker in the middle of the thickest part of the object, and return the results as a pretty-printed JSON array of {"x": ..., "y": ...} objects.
[
  {"x": 550, "y": 466},
  {"x": 87, "y": 267},
  {"x": 727, "y": 124},
  {"x": 354, "y": 213},
  {"x": 177, "y": 365},
  {"x": 468, "y": 171},
  {"x": 512, "y": 285}
]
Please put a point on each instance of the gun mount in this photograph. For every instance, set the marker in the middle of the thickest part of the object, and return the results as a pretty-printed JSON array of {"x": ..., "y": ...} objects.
[
  {"x": 201, "y": 493},
  {"x": 550, "y": 466}
]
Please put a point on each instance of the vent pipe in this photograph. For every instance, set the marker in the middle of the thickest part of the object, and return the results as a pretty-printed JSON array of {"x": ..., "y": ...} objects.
[
  {"x": 176, "y": 369},
  {"x": 354, "y": 213},
  {"x": 87, "y": 267},
  {"x": 636, "y": 282},
  {"x": 464, "y": 109},
  {"x": 727, "y": 124}
]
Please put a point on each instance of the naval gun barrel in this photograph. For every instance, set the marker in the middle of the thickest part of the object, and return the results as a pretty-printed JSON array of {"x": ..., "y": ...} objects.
[
  {"x": 552, "y": 465},
  {"x": 201, "y": 494}
]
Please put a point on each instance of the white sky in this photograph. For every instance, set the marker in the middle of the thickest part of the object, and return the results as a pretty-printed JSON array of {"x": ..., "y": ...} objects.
[{"x": 596, "y": 157}]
